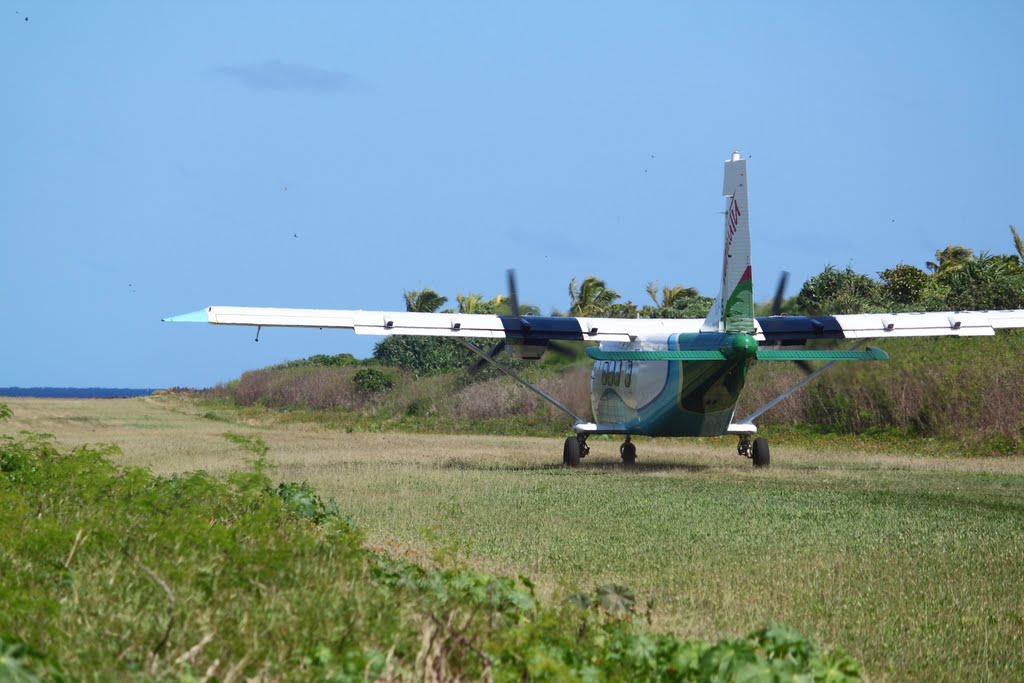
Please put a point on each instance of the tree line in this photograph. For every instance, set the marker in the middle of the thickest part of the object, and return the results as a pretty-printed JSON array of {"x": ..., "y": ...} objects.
[{"x": 958, "y": 279}]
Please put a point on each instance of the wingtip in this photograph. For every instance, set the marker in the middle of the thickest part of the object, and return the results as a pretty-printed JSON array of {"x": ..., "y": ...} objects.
[{"x": 194, "y": 317}]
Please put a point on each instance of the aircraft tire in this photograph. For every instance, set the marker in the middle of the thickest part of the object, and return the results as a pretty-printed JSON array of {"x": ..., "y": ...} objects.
[
  {"x": 760, "y": 456},
  {"x": 571, "y": 452},
  {"x": 628, "y": 453}
]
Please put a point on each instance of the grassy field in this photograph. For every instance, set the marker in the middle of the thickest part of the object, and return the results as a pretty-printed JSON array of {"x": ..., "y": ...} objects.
[{"x": 910, "y": 563}]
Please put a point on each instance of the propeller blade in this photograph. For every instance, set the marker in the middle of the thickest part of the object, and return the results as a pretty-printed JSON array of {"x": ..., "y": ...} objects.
[
  {"x": 513, "y": 298},
  {"x": 779, "y": 292}
]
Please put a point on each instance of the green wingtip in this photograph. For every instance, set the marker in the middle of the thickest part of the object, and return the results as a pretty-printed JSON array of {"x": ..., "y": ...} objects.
[{"x": 194, "y": 317}]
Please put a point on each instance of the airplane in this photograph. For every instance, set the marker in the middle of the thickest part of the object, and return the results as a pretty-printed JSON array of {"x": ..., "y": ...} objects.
[{"x": 655, "y": 377}]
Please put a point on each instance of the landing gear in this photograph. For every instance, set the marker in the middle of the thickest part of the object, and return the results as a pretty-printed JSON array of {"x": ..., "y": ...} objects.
[
  {"x": 628, "y": 451},
  {"x": 760, "y": 455},
  {"x": 756, "y": 451},
  {"x": 574, "y": 450}
]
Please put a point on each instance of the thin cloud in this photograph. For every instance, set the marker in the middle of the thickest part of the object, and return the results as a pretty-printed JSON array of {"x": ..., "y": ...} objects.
[{"x": 277, "y": 75}]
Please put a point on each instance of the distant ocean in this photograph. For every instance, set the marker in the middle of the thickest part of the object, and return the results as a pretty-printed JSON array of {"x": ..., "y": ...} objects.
[{"x": 73, "y": 392}]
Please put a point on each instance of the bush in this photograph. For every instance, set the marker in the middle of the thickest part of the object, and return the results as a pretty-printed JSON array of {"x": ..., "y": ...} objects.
[
  {"x": 422, "y": 355},
  {"x": 986, "y": 283},
  {"x": 903, "y": 285},
  {"x": 323, "y": 361},
  {"x": 372, "y": 380},
  {"x": 838, "y": 291},
  {"x": 420, "y": 407}
]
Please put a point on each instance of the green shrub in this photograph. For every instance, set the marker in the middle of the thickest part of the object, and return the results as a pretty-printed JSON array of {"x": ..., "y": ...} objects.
[
  {"x": 838, "y": 291},
  {"x": 422, "y": 355},
  {"x": 420, "y": 407},
  {"x": 304, "y": 502},
  {"x": 320, "y": 360},
  {"x": 372, "y": 380},
  {"x": 903, "y": 285}
]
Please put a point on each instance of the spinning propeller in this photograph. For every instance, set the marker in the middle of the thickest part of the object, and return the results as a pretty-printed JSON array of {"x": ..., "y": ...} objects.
[
  {"x": 777, "y": 310},
  {"x": 513, "y": 302}
]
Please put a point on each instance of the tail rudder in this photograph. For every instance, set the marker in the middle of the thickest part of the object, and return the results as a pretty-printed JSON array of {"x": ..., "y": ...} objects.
[{"x": 733, "y": 310}]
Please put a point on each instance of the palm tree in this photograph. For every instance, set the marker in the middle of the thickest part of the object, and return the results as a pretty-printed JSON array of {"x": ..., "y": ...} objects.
[
  {"x": 1018, "y": 244},
  {"x": 469, "y": 303},
  {"x": 592, "y": 298},
  {"x": 423, "y": 301},
  {"x": 676, "y": 297},
  {"x": 652, "y": 291},
  {"x": 950, "y": 259}
]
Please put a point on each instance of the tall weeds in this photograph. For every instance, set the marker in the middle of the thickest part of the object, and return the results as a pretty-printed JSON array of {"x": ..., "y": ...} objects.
[{"x": 968, "y": 390}]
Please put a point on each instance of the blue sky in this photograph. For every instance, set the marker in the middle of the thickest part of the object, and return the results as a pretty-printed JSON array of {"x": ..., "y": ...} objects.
[{"x": 159, "y": 158}]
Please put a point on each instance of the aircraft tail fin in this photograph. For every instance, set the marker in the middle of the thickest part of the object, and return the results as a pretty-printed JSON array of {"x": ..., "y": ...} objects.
[{"x": 733, "y": 310}]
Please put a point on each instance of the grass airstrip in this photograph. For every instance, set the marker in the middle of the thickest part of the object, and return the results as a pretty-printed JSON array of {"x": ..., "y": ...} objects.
[{"x": 911, "y": 563}]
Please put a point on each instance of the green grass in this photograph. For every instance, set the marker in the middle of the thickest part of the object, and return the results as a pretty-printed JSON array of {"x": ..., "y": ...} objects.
[
  {"x": 114, "y": 574},
  {"x": 915, "y": 572}
]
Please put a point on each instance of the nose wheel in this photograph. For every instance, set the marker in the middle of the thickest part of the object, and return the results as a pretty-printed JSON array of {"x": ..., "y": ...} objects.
[
  {"x": 756, "y": 450},
  {"x": 627, "y": 451}
]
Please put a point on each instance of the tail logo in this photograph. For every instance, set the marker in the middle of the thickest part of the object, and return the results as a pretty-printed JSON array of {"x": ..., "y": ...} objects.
[{"x": 733, "y": 218}]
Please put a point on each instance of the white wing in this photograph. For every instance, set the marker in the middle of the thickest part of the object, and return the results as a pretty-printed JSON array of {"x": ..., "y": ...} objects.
[
  {"x": 782, "y": 328},
  {"x": 533, "y": 327}
]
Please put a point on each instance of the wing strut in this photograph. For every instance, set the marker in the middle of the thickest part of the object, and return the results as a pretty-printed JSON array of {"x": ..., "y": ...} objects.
[
  {"x": 799, "y": 385},
  {"x": 508, "y": 371}
]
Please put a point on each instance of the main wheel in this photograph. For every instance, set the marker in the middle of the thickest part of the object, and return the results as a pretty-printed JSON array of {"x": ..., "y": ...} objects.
[
  {"x": 628, "y": 453},
  {"x": 760, "y": 456},
  {"x": 572, "y": 452}
]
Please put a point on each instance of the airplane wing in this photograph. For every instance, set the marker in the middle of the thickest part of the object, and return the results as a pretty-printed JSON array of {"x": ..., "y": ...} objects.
[
  {"x": 538, "y": 328},
  {"x": 783, "y": 329},
  {"x": 769, "y": 330}
]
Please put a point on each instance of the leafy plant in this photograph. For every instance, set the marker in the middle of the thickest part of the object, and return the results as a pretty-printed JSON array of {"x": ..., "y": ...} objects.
[
  {"x": 422, "y": 356},
  {"x": 320, "y": 360},
  {"x": 253, "y": 444},
  {"x": 838, "y": 291},
  {"x": 20, "y": 663},
  {"x": 372, "y": 380},
  {"x": 987, "y": 282},
  {"x": 903, "y": 285},
  {"x": 304, "y": 502}
]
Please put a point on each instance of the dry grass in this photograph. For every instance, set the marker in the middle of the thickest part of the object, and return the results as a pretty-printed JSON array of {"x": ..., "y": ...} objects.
[
  {"x": 499, "y": 397},
  {"x": 966, "y": 390}
]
